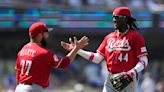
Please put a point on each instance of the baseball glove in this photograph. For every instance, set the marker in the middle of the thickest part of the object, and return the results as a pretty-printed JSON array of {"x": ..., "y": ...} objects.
[{"x": 121, "y": 81}]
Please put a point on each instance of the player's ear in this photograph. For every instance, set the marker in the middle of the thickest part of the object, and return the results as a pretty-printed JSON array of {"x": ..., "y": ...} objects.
[
  {"x": 46, "y": 34},
  {"x": 39, "y": 36}
]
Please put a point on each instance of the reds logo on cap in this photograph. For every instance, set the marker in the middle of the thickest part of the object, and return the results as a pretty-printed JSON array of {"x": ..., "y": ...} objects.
[{"x": 36, "y": 28}]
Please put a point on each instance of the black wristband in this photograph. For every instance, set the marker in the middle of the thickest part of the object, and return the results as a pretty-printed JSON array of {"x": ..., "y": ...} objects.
[{"x": 136, "y": 74}]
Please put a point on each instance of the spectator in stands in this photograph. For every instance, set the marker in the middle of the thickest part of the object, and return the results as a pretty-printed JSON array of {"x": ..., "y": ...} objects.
[
  {"x": 148, "y": 84},
  {"x": 92, "y": 75},
  {"x": 160, "y": 86}
]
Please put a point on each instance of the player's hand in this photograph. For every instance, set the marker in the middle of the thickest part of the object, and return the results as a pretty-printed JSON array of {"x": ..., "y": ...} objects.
[
  {"x": 67, "y": 46},
  {"x": 79, "y": 44},
  {"x": 132, "y": 73}
]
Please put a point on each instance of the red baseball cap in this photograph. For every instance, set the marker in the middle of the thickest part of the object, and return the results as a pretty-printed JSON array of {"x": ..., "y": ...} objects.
[
  {"x": 36, "y": 28},
  {"x": 124, "y": 11}
]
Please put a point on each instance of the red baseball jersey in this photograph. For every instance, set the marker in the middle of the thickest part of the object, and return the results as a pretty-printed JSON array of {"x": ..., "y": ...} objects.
[
  {"x": 34, "y": 64},
  {"x": 122, "y": 51}
]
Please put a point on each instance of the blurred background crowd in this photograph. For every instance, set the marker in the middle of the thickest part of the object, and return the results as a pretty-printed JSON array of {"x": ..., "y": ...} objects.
[{"x": 69, "y": 18}]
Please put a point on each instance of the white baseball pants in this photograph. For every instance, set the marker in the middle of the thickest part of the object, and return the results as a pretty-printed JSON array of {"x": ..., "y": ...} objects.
[{"x": 29, "y": 88}]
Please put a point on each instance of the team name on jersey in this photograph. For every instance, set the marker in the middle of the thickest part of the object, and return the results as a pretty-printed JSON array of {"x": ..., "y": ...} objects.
[
  {"x": 121, "y": 44},
  {"x": 28, "y": 52}
]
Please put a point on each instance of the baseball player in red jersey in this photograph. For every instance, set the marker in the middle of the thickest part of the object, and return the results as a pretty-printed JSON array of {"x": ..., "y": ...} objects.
[
  {"x": 124, "y": 51},
  {"x": 34, "y": 61}
]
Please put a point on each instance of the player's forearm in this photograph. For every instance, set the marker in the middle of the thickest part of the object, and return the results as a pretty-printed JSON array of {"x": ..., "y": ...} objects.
[
  {"x": 142, "y": 64},
  {"x": 94, "y": 57},
  {"x": 64, "y": 63},
  {"x": 72, "y": 54},
  {"x": 68, "y": 59}
]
